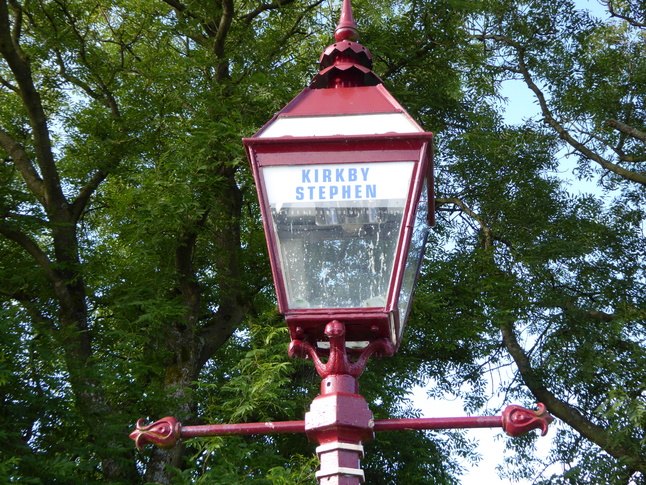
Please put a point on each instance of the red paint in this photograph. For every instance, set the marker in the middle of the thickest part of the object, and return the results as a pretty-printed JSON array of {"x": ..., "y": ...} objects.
[
  {"x": 339, "y": 418},
  {"x": 338, "y": 361},
  {"x": 438, "y": 423},
  {"x": 244, "y": 429},
  {"x": 347, "y": 28},
  {"x": 361, "y": 323},
  {"x": 164, "y": 433},
  {"x": 327, "y": 102},
  {"x": 345, "y": 86},
  {"x": 517, "y": 420}
]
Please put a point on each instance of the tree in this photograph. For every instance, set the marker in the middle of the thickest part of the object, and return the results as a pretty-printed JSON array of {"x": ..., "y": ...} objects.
[
  {"x": 530, "y": 273},
  {"x": 133, "y": 262},
  {"x": 133, "y": 274}
]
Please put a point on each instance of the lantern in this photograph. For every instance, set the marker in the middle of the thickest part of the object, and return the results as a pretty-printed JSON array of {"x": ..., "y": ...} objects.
[{"x": 344, "y": 180}]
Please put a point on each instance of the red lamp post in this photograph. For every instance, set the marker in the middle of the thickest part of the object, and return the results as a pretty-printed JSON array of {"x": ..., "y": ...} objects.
[{"x": 345, "y": 184}]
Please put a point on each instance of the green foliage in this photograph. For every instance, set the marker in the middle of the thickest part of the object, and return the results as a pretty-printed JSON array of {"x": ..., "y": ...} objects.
[
  {"x": 133, "y": 271},
  {"x": 518, "y": 247},
  {"x": 257, "y": 381}
]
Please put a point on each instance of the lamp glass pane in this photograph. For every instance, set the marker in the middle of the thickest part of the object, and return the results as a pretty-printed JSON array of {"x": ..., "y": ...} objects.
[
  {"x": 337, "y": 227},
  {"x": 415, "y": 255}
]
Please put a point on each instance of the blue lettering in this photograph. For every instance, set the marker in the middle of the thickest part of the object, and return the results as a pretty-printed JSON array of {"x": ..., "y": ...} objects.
[
  {"x": 331, "y": 192},
  {"x": 327, "y": 175},
  {"x": 352, "y": 174},
  {"x": 339, "y": 175},
  {"x": 306, "y": 176},
  {"x": 364, "y": 172}
]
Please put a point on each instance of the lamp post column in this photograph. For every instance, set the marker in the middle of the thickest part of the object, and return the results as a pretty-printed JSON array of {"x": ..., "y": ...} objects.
[{"x": 339, "y": 419}]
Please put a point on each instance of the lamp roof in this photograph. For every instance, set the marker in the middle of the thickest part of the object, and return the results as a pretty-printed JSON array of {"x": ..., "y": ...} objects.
[{"x": 344, "y": 98}]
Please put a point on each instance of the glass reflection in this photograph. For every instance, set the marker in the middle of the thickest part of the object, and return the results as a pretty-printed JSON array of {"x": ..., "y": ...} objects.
[
  {"x": 415, "y": 255},
  {"x": 338, "y": 255}
]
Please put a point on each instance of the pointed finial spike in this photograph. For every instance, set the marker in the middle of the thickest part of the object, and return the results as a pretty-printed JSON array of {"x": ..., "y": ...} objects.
[{"x": 347, "y": 29}]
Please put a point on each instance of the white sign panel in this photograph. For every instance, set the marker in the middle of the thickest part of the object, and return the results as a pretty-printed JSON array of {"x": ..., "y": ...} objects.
[
  {"x": 361, "y": 124},
  {"x": 306, "y": 184}
]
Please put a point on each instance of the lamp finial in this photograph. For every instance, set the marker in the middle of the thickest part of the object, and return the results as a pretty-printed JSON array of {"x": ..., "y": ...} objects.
[
  {"x": 345, "y": 63},
  {"x": 347, "y": 28}
]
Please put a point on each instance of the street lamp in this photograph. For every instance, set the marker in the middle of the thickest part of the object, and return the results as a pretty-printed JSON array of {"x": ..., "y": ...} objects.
[
  {"x": 345, "y": 184},
  {"x": 344, "y": 178}
]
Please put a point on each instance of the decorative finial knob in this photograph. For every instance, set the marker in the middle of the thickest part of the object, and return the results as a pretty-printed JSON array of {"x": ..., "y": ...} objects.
[
  {"x": 347, "y": 28},
  {"x": 517, "y": 420},
  {"x": 164, "y": 433},
  {"x": 346, "y": 63}
]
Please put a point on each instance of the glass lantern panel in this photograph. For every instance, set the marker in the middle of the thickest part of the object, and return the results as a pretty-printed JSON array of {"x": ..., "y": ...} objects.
[
  {"x": 415, "y": 255},
  {"x": 337, "y": 227}
]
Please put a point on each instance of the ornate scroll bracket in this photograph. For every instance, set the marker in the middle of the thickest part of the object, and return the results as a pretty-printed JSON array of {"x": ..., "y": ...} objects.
[
  {"x": 338, "y": 362},
  {"x": 164, "y": 433},
  {"x": 517, "y": 420}
]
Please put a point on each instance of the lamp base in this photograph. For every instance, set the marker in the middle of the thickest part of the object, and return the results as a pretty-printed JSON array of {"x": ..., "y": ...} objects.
[{"x": 338, "y": 361}]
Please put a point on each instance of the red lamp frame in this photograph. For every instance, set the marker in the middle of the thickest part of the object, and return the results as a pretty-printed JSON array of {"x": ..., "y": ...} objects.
[{"x": 362, "y": 324}]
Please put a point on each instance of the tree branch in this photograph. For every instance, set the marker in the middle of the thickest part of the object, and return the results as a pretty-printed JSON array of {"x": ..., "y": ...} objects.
[
  {"x": 84, "y": 195},
  {"x": 592, "y": 314},
  {"x": 216, "y": 32},
  {"x": 630, "y": 20},
  {"x": 226, "y": 19},
  {"x": 31, "y": 306},
  {"x": 486, "y": 230},
  {"x": 76, "y": 81},
  {"x": 24, "y": 165},
  {"x": 106, "y": 96},
  {"x": 249, "y": 17},
  {"x": 180, "y": 7},
  {"x": 233, "y": 304},
  {"x": 418, "y": 54},
  {"x": 563, "y": 410},
  {"x": 550, "y": 120},
  {"x": 627, "y": 129},
  {"x": 288, "y": 34},
  {"x": 8, "y": 85},
  {"x": 16, "y": 30},
  {"x": 19, "y": 66},
  {"x": 32, "y": 248}
]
